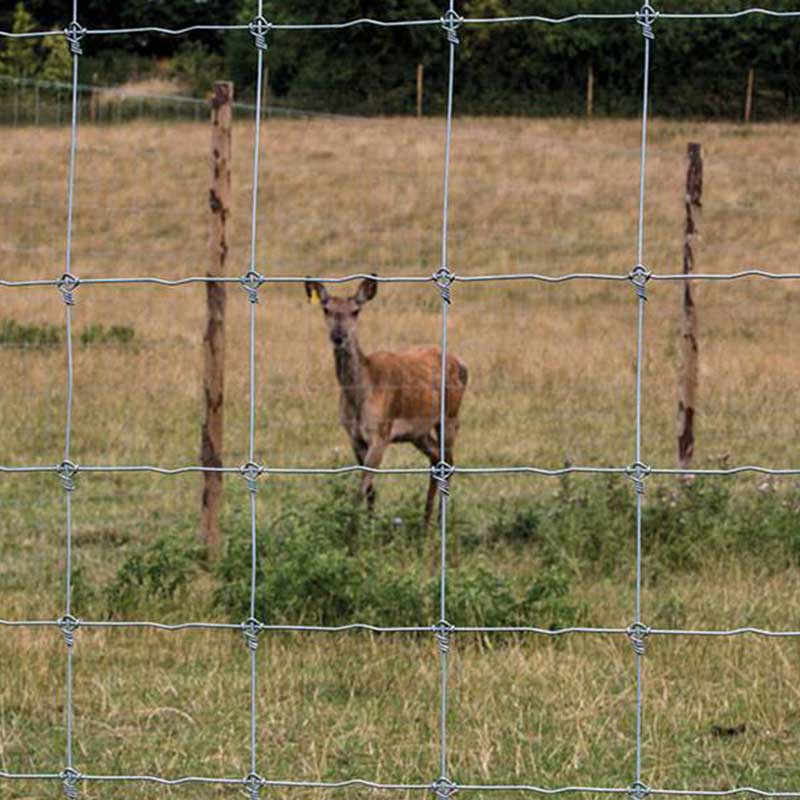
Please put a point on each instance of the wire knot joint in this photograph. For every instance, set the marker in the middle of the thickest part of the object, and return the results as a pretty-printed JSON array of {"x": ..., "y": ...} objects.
[
  {"x": 67, "y": 284},
  {"x": 251, "y": 628},
  {"x": 70, "y": 778},
  {"x": 441, "y": 632},
  {"x": 638, "y": 791},
  {"x": 443, "y": 279},
  {"x": 451, "y": 22},
  {"x": 67, "y": 471},
  {"x": 68, "y": 625},
  {"x": 638, "y": 473},
  {"x": 74, "y": 33},
  {"x": 251, "y": 473},
  {"x": 251, "y": 283},
  {"x": 442, "y": 473},
  {"x": 639, "y": 276},
  {"x": 444, "y": 788},
  {"x": 638, "y": 633},
  {"x": 253, "y": 784},
  {"x": 646, "y": 16},
  {"x": 259, "y": 28}
]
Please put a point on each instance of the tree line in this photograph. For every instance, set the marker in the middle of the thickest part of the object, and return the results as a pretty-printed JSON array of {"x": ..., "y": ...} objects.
[{"x": 699, "y": 68}]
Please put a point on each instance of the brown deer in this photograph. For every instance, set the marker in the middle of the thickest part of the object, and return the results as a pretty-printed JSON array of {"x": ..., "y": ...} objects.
[{"x": 389, "y": 396}]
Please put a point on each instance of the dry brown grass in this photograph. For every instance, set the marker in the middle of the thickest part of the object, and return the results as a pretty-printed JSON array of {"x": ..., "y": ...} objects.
[{"x": 551, "y": 378}]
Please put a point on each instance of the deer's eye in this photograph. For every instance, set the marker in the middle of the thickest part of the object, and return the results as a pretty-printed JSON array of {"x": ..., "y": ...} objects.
[{"x": 356, "y": 312}]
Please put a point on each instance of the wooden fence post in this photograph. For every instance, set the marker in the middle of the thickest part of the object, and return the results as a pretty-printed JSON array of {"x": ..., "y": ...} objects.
[
  {"x": 688, "y": 368},
  {"x": 420, "y": 73},
  {"x": 748, "y": 99},
  {"x": 590, "y": 91},
  {"x": 214, "y": 338}
]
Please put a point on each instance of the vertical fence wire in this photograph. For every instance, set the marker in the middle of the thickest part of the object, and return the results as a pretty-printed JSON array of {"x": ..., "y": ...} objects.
[
  {"x": 645, "y": 18},
  {"x": 450, "y": 23},
  {"x": 67, "y": 284},
  {"x": 251, "y": 282}
]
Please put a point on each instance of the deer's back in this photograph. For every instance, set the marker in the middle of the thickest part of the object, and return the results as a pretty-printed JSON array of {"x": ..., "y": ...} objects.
[{"x": 408, "y": 383}]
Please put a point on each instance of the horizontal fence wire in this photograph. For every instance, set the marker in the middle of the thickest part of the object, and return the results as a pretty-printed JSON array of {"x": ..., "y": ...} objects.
[
  {"x": 444, "y": 280},
  {"x": 422, "y": 279},
  {"x": 408, "y": 23}
]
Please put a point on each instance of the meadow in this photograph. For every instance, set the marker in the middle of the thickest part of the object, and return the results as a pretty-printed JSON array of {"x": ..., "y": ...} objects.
[{"x": 551, "y": 381}]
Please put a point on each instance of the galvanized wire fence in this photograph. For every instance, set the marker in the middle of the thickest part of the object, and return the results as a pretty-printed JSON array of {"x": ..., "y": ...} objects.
[{"x": 443, "y": 784}]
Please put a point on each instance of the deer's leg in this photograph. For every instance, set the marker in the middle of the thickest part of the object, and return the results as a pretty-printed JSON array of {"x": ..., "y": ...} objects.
[
  {"x": 359, "y": 450},
  {"x": 372, "y": 459},
  {"x": 427, "y": 445}
]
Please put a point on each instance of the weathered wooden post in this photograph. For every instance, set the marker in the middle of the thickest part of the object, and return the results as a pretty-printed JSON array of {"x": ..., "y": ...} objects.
[
  {"x": 688, "y": 368},
  {"x": 420, "y": 74},
  {"x": 748, "y": 99},
  {"x": 214, "y": 338},
  {"x": 590, "y": 91}
]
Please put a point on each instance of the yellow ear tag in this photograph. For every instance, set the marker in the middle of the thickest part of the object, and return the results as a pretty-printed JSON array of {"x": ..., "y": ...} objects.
[{"x": 314, "y": 299}]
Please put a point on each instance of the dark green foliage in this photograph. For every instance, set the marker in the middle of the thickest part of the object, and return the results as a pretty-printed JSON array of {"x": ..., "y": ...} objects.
[
  {"x": 699, "y": 68},
  {"x": 196, "y": 67},
  {"x": 156, "y": 572}
]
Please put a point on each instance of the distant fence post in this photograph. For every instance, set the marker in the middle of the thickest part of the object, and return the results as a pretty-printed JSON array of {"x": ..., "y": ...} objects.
[
  {"x": 688, "y": 368},
  {"x": 420, "y": 74},
  {"x": 590, "y": 91},
  {"x": 748, "y": 99},
  {"x": 214, "y": 338}
]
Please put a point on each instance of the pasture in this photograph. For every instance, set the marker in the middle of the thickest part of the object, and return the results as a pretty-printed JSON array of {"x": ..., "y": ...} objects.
[{"x": 551, "y": 380}]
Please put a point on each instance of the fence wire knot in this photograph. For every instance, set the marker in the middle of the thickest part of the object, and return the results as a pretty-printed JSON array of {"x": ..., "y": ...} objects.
[
  {"x": 251, "y": 283},
  {"x": 444, "y": 788},
  {"x": 441, "y": 632},
  {"x": 638, "y": 790},
  {"x": 67, "y": 471},
  {"x": 259, "y": 28},
  {"x": 67, "y": 284},
  {"x": 251, "y": 472},
  {"x": 639, "y": 276},
  {"x": 443, "y": 279},
  {"x": 74, "y": 33},
  {"x": 646, "y": 16},
  {"x": 451, "y": 22},
  {"x": 638, "y": 633},
  {"x": 252, "y": 784},
  {"x": 441, "y": 473},
  {"x": 251, "y": 628},
  {"x": 70, "y": 778},
  {"x": 638, "y": 473},
  {"x": 68, "y": 625}
]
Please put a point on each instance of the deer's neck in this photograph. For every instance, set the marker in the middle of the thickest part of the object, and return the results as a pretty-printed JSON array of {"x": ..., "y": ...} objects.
[{"x": 351, "y": 366}]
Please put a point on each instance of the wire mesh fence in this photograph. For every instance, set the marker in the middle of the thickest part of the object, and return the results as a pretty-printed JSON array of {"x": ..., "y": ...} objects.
[{"x": 445, "y": 282}]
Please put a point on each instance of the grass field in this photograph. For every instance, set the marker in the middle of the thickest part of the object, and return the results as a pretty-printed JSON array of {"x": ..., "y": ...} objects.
[{"x": 552, "y": 379}]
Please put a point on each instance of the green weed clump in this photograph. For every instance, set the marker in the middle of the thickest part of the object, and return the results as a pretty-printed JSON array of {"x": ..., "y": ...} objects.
[
  {"x": 157, "y": 572},
  {"x": 327, "y": 562},
  {"x": 14, "y": 334},
  {"x": 331, "y": 563},
  {"x": 588, "y": 525},
  {"x": 100, "y": 334}
]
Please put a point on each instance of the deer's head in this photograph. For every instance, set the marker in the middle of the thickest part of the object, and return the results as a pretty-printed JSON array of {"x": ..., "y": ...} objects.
[{"x": 341, "y": 313}]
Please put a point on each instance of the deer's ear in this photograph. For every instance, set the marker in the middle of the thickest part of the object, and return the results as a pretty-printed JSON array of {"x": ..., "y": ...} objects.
[
  {"x": 367, "y": 290},
  {"x": 316, "y": 292}
]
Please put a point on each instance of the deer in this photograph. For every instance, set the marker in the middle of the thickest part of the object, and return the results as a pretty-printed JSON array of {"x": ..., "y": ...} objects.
[{"x": 389, "y": 396}]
